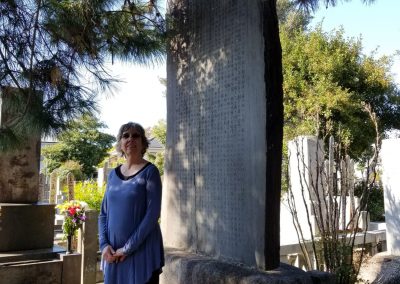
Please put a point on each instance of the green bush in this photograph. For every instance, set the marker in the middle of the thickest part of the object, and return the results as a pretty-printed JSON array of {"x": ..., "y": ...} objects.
[
  {"x": 72, "y": 167},
  {"x": 89, "y": 192},
  {"x": 157, "y": 160},
  {"x": 375, "y": 204}
]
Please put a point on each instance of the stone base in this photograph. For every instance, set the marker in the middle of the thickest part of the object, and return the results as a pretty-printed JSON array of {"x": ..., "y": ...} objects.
[
  {"x": 26, "y": 226},
  {"x": 40, "y": 267},
  {"x": 10, "y": 257},
  {"x": 40, "y": 272},
  {"x": 183, "y": 267}
]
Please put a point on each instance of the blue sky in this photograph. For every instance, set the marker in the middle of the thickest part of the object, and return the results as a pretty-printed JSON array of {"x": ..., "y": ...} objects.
[
  {"x": 377, "y": 24},
  {"x": 141, "y": 97}
]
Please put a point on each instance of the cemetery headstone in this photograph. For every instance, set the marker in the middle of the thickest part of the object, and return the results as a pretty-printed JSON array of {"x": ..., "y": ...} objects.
[
  {"x": 53, "y": 188},
  {"x": 390, "y": 154},
  {"x": 70, "y": 186}
]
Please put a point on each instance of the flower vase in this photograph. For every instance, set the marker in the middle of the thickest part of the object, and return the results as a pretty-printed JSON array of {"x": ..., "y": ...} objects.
[{"x": 69, "y": 244}]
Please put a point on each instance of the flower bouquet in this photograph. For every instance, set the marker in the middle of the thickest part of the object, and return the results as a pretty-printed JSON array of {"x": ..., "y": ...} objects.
[{"x": 74, "y": 217}]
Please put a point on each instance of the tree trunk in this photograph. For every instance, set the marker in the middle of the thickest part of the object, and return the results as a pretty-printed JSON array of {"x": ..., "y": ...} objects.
[{"x": 274, "y": 131}]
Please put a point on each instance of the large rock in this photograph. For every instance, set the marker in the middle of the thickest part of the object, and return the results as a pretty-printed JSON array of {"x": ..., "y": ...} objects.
[
  {"x": 382, "y": 268},
  {"x": 184, "y": 267}
]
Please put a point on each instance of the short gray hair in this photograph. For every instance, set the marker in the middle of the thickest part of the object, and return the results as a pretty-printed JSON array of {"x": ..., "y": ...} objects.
[{"x": 125, "y": 127}]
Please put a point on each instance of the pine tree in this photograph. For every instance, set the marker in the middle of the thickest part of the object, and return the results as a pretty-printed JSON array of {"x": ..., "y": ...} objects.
[{"x": 52, "y": 56}]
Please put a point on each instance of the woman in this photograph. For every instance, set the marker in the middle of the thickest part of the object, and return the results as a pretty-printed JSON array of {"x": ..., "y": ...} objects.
[{"x": 129, "y": 233}]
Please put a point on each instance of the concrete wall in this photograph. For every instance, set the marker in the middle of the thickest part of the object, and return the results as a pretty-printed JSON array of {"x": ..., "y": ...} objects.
[
  {"x": 390, "y": 155},
  {"x": 213, "y": 197}
]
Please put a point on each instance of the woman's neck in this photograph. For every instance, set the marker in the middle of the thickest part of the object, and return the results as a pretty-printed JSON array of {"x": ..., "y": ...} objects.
[{"x": 132, "y": 161}]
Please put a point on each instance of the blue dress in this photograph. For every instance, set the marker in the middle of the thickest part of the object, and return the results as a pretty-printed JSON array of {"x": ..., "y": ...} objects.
[{"x": 129, "y": 219}]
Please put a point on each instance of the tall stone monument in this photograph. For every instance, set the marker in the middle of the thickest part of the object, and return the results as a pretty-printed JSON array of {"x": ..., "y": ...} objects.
[
  {"x": 214, "y": 190},
  {"x": 24, "y": 223}
]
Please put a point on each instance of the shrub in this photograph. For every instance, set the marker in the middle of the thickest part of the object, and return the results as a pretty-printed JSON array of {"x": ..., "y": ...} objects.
[
  {"x": 375, "y": 204},
  {"x": 89, "y": 192},
  {"x": 70, "y": 167}
]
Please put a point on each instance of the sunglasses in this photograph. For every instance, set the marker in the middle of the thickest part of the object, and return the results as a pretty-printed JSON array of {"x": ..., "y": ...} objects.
[{"x": 132, "y": 135}]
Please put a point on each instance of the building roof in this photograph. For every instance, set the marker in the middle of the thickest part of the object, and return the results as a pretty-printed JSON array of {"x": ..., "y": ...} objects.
[{"x": 155, "y": 146}]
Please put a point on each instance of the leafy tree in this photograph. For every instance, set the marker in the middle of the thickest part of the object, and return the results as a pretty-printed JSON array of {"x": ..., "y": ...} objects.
[
  {"x": 52, "y": 56},
  {"x": 81, "y": 142},
  {"x": 328, "y": 81},
  {"x": 90, "y": 193},
  {"x": 274, "y": 120},
  {"x": 159, "y": 131},
  {"x": 291, "y": 17},
  {"x": 67, "y": 167}
]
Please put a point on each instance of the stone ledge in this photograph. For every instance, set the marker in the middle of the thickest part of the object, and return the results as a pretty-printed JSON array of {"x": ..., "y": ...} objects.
[
  {"x": 30, "y": 255},
  {"x": 184, "y": 267},
  {"x": 41, "y": 272}
]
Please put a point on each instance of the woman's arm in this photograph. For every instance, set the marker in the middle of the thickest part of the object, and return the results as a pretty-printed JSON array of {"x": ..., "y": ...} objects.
[{"x": 102, "y": 224}]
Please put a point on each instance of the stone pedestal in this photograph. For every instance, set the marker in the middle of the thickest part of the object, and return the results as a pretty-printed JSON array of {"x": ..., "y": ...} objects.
[
  {"x": 26, "y": 226},
  {"x": 30, "y": 255},
  {"x": 40, "y": 272},
  {"x": 24, "y": 223},
  {"x": 42, "y": 266}
]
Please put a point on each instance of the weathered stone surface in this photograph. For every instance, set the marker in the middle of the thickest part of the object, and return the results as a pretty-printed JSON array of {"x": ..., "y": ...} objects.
[
  {"x": 31, "y": 255},
  {"x": 89, "y": 247},
  {"x": 26, "y": 226},
  {"x": 19, "y": 175},
  {"x": 390, "y": 154},
  {"x": 71, "y": 272},
  {"x": 382, "y": 268},
  {"x": 214, "y": 193},
  {"x": 44, "y": 272},
  {"x": 183, "y": 267},
  {"x": 64, "y": 269}
]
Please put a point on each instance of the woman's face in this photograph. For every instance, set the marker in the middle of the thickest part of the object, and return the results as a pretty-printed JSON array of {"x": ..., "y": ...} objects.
[{"x": 131, "y": 142}]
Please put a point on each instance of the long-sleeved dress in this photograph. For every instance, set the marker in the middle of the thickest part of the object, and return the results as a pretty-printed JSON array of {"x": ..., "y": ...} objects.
[{"x": 129, "y": 219}]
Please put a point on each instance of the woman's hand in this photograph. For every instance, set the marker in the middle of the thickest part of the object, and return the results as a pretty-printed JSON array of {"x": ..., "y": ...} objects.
[
  {"x": 108, "y": 254},
  {"x": 119, "y": 255}
]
